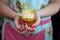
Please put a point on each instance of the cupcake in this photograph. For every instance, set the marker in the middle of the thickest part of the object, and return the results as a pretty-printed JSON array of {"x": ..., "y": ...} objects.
[{"x": 28, "y": 17}]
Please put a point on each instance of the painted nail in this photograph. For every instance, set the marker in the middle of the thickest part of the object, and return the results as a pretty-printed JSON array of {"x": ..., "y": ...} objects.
[
  {"x": 24, "y": 23},
  {"x": 33, "y": 26},
  {"x": 30, "y": 30},
  {"x": 20, "y": 29},
  {"x": 20, "y": 22}
]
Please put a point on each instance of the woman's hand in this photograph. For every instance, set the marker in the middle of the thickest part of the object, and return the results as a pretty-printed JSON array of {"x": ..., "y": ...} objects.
[
  {"x": 23, "y": 28},
  {"x": 20, "y": 26},
  {"x": 38, "y": 19}
]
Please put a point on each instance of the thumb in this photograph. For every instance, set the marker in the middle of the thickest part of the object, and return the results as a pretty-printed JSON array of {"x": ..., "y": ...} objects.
[{"x": 36, "y": 23}]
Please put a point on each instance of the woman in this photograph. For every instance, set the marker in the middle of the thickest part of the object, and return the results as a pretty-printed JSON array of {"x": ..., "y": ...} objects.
[{"x": 42, "y": 32}]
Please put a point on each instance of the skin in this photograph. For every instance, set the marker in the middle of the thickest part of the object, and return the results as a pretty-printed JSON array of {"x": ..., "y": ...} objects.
[{"x": 52, "y": 9}]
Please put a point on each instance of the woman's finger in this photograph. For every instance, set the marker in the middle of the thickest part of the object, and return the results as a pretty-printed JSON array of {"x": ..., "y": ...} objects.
[
  {"x": 37, "y": 20},
  {"x": 29, "y": 29},
  {"x": 36, "y": 23},
  {"x": 16, "y": 23},
  {"x": 20, "y": 22}
]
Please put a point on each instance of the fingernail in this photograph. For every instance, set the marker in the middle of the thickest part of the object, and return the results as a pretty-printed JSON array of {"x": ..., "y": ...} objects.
[
  {"x": 21, "y": 22},
  {"x": 24, "y": 23},
  {"x": 30, "y": 30},
  {"x": 20, "y": 29},
  {"x": 33, "y": 26}
]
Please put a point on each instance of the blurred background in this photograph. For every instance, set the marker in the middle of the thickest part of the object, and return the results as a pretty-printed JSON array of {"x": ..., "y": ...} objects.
[
  {"x": 55, "y": 23},
  {"x": 1, "y": 24},
  {"x": 56, "y": 26}
]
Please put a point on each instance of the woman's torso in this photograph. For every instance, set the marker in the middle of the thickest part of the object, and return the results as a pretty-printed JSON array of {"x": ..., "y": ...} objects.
[{"x": 32, "y": 5}]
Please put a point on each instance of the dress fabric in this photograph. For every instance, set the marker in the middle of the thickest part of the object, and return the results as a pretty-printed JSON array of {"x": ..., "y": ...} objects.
[{"x": 42, "y": 32}]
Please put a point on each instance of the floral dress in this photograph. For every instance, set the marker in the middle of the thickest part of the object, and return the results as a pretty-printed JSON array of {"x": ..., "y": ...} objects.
[{"x": 42, "y": 32}]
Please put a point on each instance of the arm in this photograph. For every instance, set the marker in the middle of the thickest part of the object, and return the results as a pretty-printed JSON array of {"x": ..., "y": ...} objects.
[
  {"x": 49, "y": 10},
  {"x": 6, "y": 11},
  {"x": 57, "y": 1}
]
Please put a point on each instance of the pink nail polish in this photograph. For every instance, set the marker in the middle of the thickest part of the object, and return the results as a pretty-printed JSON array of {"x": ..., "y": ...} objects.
[
  {"x": 24, "y": 23},
  {"x": 21, "y": 22},
  {"x": 33, "y": 26},
  {"x": 30, "y": 30},
  {"x": 20, "y": 29}
]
